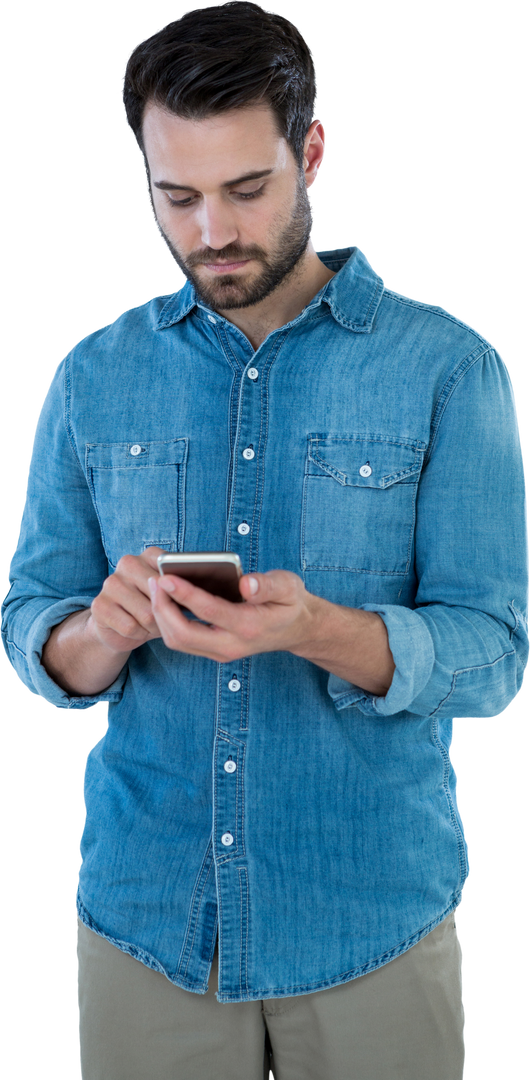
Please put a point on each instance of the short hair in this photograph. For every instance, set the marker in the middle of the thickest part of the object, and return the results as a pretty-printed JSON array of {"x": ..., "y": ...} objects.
[{"x": 220, "y": 58}]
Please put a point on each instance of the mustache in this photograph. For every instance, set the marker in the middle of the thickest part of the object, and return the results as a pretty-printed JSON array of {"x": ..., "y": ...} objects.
[{"x": 230, "y": 253}]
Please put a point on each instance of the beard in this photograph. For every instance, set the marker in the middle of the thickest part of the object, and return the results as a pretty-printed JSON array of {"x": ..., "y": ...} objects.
[{"x": 227, "y": 292}]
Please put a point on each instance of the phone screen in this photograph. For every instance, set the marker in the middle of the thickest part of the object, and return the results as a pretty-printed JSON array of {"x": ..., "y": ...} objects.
[{"x": 216, "y": 572}]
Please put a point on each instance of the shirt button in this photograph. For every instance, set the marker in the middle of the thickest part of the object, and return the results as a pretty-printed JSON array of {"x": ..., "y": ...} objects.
[
  {"x": 365, "y": 470},
  {"x": 211, "y": 318},
  {"x": 230, "y": 766},
  {"x": 252, "y": 373},
  {"x": 135, "y": 450},
  {"x": 234, "y": 685},
  {"x": 244, "y": 528},
  {"x": 227, "y": 839},
  {"x": 248, "y": 453}
]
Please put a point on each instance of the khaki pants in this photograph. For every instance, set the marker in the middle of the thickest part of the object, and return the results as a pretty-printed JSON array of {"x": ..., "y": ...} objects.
[{"x": 401, "y": 1022}]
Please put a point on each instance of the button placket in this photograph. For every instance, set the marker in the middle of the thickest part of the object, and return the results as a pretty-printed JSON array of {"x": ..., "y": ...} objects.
[
  {"x": 248, "y": 454},
  {"x": 227, "y": 794}
]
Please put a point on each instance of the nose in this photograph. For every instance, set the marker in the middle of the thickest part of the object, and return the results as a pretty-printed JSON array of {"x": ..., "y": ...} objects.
[{"x": 217, "y": 230}]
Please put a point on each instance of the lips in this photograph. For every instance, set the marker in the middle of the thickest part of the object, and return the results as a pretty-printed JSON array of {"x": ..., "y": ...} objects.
[{"x": 226, "y": 268}]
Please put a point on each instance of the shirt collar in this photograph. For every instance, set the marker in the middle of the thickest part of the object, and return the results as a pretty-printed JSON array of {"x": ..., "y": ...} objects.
[{"x": 353, "y": 295}]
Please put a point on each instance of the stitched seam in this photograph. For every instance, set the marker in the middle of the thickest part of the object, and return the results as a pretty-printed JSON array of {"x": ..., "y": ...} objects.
[
  {"x": 447, "y": 392},
  {"x": 464, "y": 671},
  {"x": 462, "y": 862}
]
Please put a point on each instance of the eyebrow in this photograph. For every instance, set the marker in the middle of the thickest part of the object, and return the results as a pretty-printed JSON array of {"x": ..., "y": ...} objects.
[{"x": 166, "y": 185}]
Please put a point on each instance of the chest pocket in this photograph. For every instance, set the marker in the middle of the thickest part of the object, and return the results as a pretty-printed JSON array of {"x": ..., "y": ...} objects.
[
  {"x": 138, "y": 491},
  {"x": 359, "y": 503}
]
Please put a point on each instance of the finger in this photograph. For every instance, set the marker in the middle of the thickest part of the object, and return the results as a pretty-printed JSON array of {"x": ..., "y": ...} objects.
[
  {"x": 199, "y": 601},
  {"x": 150, "y": 556},
  {"x": 133, "y": 570},
  {"x": 109, "y": 615},
  {"x": 218, "y": 615},
  {"x": 168, "y": 615},
  {"x": 128, "y": 590},
  {"x": 181, "y": 633}
]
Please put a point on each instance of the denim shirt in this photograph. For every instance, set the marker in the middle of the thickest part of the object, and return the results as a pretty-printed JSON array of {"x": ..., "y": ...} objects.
[{"x": 387, "y": 474}]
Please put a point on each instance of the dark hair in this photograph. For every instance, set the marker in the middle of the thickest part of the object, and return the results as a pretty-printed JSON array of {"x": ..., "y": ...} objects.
[{"x": 219, "y": 58}]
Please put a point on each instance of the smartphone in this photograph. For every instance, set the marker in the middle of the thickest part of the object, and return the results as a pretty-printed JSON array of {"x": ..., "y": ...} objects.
[{"x": 216, "y": 571}]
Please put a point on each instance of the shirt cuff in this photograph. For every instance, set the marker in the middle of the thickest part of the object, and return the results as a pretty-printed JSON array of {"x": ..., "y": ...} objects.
[
  {"x": 37, "y": 638},
  {"x": 412, "y": 648}
]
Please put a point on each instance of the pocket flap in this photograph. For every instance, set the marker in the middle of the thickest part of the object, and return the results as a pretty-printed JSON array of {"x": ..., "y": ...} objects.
[
  {"x": 373, "y": 461},
  {"x": 136, "y": 454}
]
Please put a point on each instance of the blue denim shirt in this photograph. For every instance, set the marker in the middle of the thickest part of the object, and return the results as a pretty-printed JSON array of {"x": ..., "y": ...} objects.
[{"x": 387, "y": 474}]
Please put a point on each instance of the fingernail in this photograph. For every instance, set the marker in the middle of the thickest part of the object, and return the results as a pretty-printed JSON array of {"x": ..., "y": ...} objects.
[
  {"x": 152, "y": 585},
  {"x": 254, "y": 585}
]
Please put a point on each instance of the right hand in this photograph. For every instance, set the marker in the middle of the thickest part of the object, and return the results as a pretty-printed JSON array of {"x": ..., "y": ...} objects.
[{"x": 121, "y": 616}]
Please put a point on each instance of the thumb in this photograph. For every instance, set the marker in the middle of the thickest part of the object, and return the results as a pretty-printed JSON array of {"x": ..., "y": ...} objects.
[
  {"x": 249, "y": 587},
  {"x": 274, "y": 585}
]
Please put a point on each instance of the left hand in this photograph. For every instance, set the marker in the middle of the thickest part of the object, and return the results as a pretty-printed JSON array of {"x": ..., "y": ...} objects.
[{"x": 279, "y": 614}]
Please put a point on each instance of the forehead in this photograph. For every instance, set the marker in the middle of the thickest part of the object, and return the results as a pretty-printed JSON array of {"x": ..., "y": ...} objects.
[{"x": 214, "y": 149}]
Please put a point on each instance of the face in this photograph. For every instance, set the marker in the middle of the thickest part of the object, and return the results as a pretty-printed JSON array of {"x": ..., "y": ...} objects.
[{"x": 230, "y": 202}]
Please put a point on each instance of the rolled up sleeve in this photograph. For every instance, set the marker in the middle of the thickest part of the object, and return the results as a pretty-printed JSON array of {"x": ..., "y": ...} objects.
[
  {"x": 60, "y": 564},
  {"x": 462, "y": 650},
  {"x": 42, "y": 617}
]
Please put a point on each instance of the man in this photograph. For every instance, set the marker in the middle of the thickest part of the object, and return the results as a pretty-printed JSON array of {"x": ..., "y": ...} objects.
[{"x": 276, "y": 773}]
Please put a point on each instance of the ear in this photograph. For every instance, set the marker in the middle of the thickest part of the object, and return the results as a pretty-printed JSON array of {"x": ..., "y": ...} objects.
[{"x": 313, "y": 151}]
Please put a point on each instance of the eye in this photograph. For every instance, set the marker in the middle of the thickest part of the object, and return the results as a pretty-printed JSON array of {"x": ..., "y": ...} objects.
[{"x": 241, "y": 194}]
